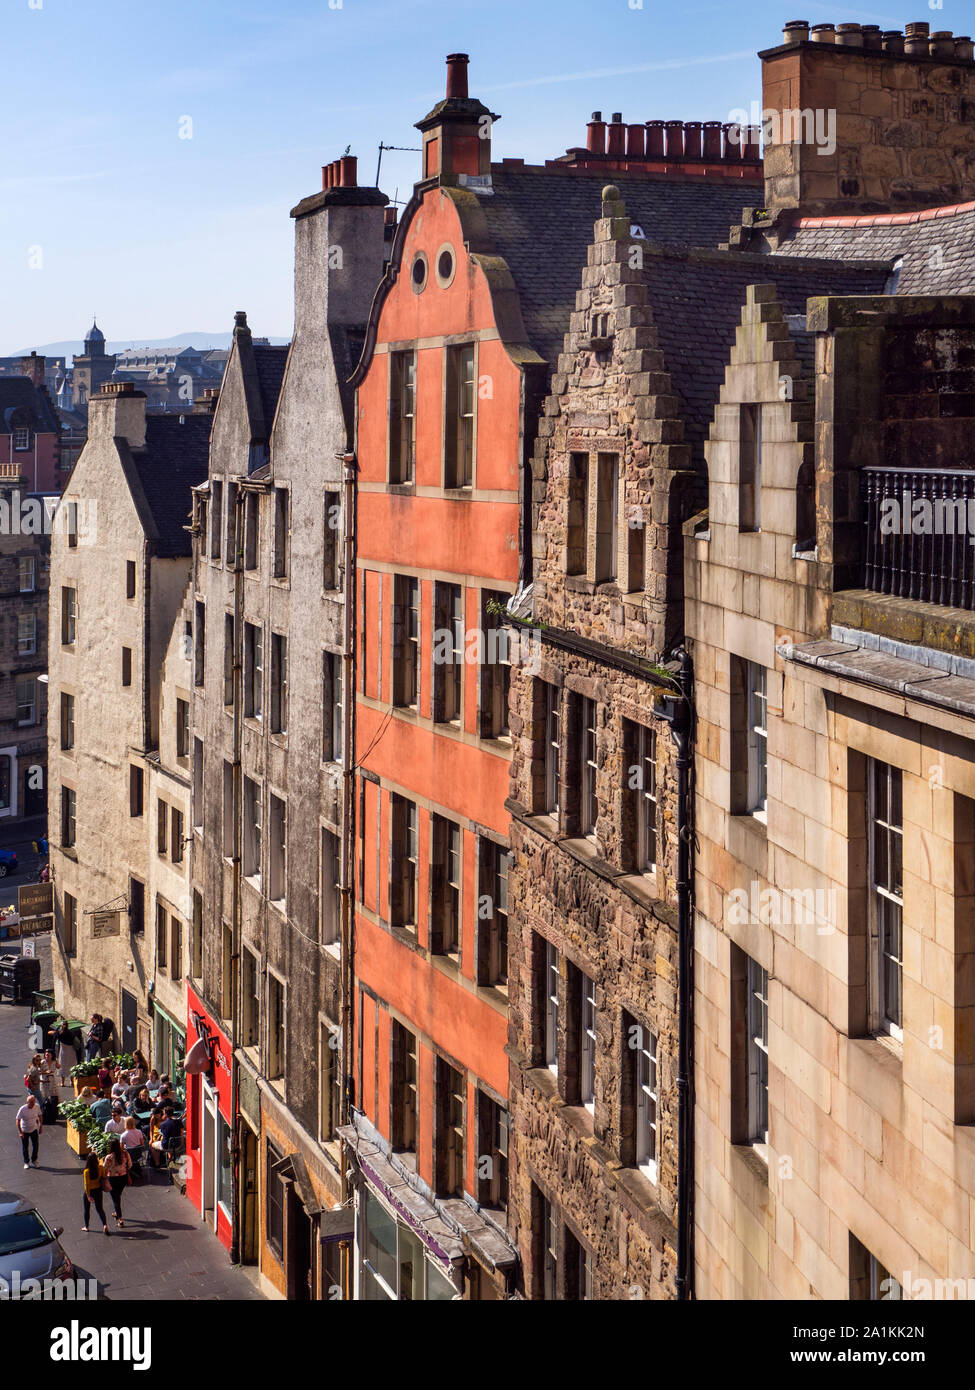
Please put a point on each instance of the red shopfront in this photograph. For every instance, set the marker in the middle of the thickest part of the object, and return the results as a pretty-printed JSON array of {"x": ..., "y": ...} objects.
[{"x": 209, "y": 1121}]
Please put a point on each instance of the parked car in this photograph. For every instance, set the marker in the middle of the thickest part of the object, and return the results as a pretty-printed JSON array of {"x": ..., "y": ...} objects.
[
  {"x": 8, "y": 862},
  {"x": 29, "y": 1247}
]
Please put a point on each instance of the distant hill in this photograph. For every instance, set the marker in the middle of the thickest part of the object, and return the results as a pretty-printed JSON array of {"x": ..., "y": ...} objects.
[{"x": 74, "y": 347}]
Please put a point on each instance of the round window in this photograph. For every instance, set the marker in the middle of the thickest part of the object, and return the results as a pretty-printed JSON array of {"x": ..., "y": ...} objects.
[
  {"x": 446, "y": 265},
  {"x": 418, "y": 275}
]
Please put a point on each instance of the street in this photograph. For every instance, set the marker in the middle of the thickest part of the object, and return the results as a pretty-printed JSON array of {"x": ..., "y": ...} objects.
[{"x": 163, "y": 1251}]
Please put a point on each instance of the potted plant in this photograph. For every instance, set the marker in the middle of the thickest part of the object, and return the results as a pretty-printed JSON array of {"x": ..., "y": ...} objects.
[{"x": 79, "y": 1122}]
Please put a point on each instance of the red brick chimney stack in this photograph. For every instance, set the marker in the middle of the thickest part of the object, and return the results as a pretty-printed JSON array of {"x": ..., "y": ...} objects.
[{"x": 457, "y": 132}]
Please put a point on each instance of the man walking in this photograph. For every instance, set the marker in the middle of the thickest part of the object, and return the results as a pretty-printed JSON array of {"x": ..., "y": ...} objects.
[{"x": 29, "y": 1127}]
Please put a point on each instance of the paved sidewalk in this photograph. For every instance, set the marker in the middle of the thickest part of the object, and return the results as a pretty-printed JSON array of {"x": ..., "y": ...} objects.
[{"x": 163, "y": 1252}]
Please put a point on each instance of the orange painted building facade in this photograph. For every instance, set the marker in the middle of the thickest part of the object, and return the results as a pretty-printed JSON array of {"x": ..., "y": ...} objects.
[{"x": 440, "y": 449}]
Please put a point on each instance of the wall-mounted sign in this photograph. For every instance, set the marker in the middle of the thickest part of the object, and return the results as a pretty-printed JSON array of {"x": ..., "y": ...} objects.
[
  {"x": 106, "y": 924},
  {"x": 35, "y": 899}
]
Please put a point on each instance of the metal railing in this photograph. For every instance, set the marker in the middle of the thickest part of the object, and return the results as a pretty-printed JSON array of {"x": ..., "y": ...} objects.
[{"x": 920, "y": 529}]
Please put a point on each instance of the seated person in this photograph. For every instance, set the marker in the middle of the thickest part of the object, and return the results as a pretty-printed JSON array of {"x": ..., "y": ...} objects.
[
  {"x": 171, "y": 1130},
  {"x": 101, "y": 1109},
  {"x": 116, "y": 1125},
  {"x": 121, "y": 1084},
  {"x": 87, "y": 1095},
  {"x": 139, "y": 1102},
  {"x": 132, "y": 1140},
  {"x": 154, "y": 1082},
  {"x": 104, "y": 1077},
  {"x": 155, "y": 1137}
]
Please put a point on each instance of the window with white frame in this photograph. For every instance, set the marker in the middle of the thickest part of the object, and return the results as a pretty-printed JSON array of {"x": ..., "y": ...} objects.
[
  {"x": 495, "y": 667},
  {"x": 587, "y": 1042},
  {"x": 279, "y": 683},
  {"x": 551, "y": 985},
  {"x": 26, "y": 634},
  {"x": 643, "y": 1045},
  {"x": 26, "y": 574},
  {"x": 403, "y": 862},
  {"x": 393, "y": 1262},
  {"x": 330, "y": 906},
  {"x": 886, "y": 899},
  {"x": 406, "y": 641},
  {"x": 26, "y": 700},
  {"x": 459, "y": 417},
  {"x": 445, "y": 886},
  {"x": 69, "y": 615},
  {"x": 252, "y": 829},
  {"x": 641, "y": 784},
  {"x": 403, "y": 1088},
  {"x": 21, "y": 438},
  {"x": 275, "y": 1027},
  {"x": 448, "y": 653},
  {"x": 757, "y": 1051},
  {"x": 333, "y": 708},
  {"x": 757, "y": 738},
  {"x": 253, "y": 670},
  {"x": 553, "y": 747},
  {"x": 589, "y": 804},
  {"x": 278, "y": 849}
]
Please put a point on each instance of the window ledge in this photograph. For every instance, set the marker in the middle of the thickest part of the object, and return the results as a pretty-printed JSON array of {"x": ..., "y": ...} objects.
[
  {"x": 886, "y": 1051},
  {"x": 578, "y": 584},
  {"x": 333, "y": 949},
  {"x": 402, "y": 489},
  {"x": 752, "y": 825},
  {"x": 755, "y": 1158}
]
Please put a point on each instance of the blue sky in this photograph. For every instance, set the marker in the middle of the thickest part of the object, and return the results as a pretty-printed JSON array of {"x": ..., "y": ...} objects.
[{"x": 104, "y": 208}]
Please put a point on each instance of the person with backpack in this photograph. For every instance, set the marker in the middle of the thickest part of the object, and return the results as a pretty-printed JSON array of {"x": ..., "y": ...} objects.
[
  {"x": 32, "y": 1078},
  {"x": 116, "y": 1168},
  {"x": 92, "y": 1180}
]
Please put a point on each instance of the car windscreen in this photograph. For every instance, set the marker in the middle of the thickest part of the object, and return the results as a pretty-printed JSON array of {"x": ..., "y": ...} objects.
[{"x": 24, "y": 1230}]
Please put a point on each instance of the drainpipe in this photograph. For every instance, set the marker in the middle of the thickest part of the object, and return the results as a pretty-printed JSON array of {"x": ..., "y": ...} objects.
[
  {"x": 683, "y": 729},
  {"x": 238, "y": 788},
  {"x": 347, "y": 941},
  {"x": 678, "y": 711}
]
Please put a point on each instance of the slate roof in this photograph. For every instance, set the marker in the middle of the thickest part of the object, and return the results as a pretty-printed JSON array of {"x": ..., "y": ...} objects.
[
  {"x": 174, "y": 460},
  {"x": 697, "y": 300},
  {"x": 542, "y": 224},
  {"x": 937, "y": 246},
  {"x": 18, "y": 393},
  {"x": 270, "y": 363}
]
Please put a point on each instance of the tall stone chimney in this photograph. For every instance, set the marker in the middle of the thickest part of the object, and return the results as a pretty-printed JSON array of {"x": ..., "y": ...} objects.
[
  {"x": 33, "y": 367},
  {"x": 339, "y": 239},
  {"x": 457, "y": 132},
  {"x": 859, "y": 120},
  {"x": 118, "y": 412}
]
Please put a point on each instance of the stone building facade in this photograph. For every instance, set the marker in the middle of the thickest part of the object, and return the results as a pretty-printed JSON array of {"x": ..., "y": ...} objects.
[
  {"x": 119, "y": 806},
  {"x": 594, "y": 937},
  {"x": 29, "y": 457},
  {"x": 835, "y": 768},
  {"x": 273, "y": 649}
]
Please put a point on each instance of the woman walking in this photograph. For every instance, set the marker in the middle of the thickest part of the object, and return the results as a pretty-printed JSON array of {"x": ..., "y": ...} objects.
[
  {"x": 49, "y": 1089},
  {"x": 92, "y": 1179},
  {"x": 116, "y": 1168}
]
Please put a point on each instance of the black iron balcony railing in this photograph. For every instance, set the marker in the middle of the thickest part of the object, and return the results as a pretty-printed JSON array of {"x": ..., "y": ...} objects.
[{"x": 920, "y": 534}]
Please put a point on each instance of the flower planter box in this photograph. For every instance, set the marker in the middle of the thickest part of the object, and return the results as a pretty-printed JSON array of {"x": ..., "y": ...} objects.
[
  {"x": 80, "y": 1082},
  {"x": 77, "y": 1140}
]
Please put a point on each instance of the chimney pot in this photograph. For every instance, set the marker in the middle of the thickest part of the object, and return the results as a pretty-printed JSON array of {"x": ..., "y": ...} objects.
[
  {"x": 596, "y": 134},
  {"x": 893, "y": 41},
  {"x": 871, "y": 36},
  {"x": 350, "y": 165},
  {"x": 712, "y": 139},
  {"x": 796, "y": 31},
  {"x": 942, "y": 44},
  {"x": 964, "y": 48},
  {"x": 850, "y": 34},
  {"x": 692, "y": 139},
  {"x": 616, "y": 144},
  {"x": 675, "y": 139},
  {"x": 457, "y": 74},
  {"x": 918, "y": 29},
  {"x": 733, "y": 142},
  {"x": 655, "y": 139},
  {"x": 240, "y": 319},
  {"x": 636, "y": 138},
  {"x": 823, "y": 33},
  {"x": 324, "y": 176},
  {"x": 753, "y": 148},
  {"x": 617, "y": 117}
]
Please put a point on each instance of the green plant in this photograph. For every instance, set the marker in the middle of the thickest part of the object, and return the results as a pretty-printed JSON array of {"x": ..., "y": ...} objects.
[
  {"x": 77, "y": 1113},
  {"x": 112, "y": 1060}
]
